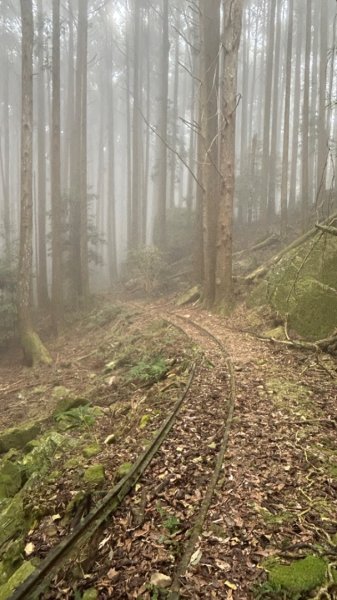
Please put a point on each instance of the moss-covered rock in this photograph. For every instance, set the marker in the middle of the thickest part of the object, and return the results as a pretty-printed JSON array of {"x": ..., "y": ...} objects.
[
  {"x": 44, "y": 449},
  {"x": 123, "y": 470},
  {"x": 302, "y": 285},
  {"x": 300, "y": 576},
  {"x": 90, "y": 451},
  {"x": 94, "y": 474},
  {"x": 10, "y": 479},
  {"x": 67, "y": 400},
  {"x": 26, "y": 569},
  {"x": 18, "y": 437},
  {"x": 12, "y": 519}
]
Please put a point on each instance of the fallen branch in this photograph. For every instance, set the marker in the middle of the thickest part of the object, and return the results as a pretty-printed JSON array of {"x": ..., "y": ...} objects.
[
  {"x": 331, "y": 230},
  {"x": 263, "y": 269},
  {"x": 272, "y": 239}
]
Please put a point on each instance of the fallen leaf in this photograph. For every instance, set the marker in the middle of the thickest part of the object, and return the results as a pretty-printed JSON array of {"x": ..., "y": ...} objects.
[
  {"x": 29, "y": 549},
  {"x": 196, "y": 557},
  {"x": 230, "y": 585}
]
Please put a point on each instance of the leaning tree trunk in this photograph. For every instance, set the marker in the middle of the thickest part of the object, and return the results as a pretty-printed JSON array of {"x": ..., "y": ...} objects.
[
  {"x": 33, "y": 349},
  {"x": 232, "y": 15}
]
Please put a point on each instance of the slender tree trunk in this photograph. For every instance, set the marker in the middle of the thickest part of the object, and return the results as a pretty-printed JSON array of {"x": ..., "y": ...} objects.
[
  {"x": 323, "y": 142},
  {"x": 174, "y": 116},
  {"x": 55, "y": 153},
  {"x": 232, "y": 16},
  {"x": 129, "y": 176},
  {"x": 42, "y": 283},
  {"x": 275, "y": 119},
  {"x": 160, "y": 222},
  {"x": 296, "y": 113},
  {"x": 210, "y": 31},
  {"x": 305, "y": 123},
  {"x": 136, "y": 135},
  {"x": 111, "y": 213},
  {"x": 285, "y": 155},
  {"x": 267, "y": 112},
  {"x": 33, "y": 349},
  {"x": 6, "y": 169},
  {"x": 83, "y": 177}
]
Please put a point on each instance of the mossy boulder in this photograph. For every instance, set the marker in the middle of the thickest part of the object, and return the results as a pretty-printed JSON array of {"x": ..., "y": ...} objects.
[
  {"x": 43, "y": 452},
  {"x": 66, "y": 400},
  {"x": 26, "y": 569},
  {"x": 94, "y": 474},
  {"x": 18, "y": 437},
  {"x": 12, "y": 519},
  {"x": 300, "y": 576},
  {"x": 10, "y": 479},
  {"x": 302, "y": 285}
]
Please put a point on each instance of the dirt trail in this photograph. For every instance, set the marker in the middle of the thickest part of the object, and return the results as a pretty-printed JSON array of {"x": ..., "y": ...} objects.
[{"x": 277, "y": 491}]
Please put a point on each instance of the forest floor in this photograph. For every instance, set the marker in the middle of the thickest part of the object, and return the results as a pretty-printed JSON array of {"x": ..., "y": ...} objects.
[{"x": 271, "y": 529}]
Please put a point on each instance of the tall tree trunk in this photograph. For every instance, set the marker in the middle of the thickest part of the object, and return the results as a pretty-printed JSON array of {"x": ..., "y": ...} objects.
[
  {"x": 305, "y": 123},
  {"x": 267, "y": 112},
  {"x": 42, "y": 283},
  {"x": 33, "y": 349},
  {"x": 83, "y": 18},
  {"x": 160, "y": 221},
  {"x": 285, "y": 154},
  {"x": 6, "y": 166},
  {"x": 232, "y": 19},
  {"x": 55, "y": 154},
  {"x": 323, "y": 141},
  {"x": 136, "y": 136},
  {"x": 210, "y": 31},
  {"x": 175, "y": 115},
  {"x": 296, "y": 113},
  {"x": 111, "y": 212},
  {"x": 275, "y": 119}
]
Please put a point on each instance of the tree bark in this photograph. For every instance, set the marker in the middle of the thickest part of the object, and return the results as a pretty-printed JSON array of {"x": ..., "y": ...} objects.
[
  {"x": 55, "y": 153},
  {"x": 160, "y": 221},
  {"x": 232, "y": 16},
  {"x": 210, "y": 31},
  {"x": 33, "y": 349},
  {"x": 285, "y": 155}
]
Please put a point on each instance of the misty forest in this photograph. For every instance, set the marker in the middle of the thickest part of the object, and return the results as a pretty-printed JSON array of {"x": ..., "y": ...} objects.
[{"x": 168, "y": 299}]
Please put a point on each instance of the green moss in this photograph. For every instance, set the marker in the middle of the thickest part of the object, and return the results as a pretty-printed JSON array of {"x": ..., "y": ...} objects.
[
  {"x": 10, "y": 479},
  {"x": 16, "y": 579},
  {"x": 18, "y": 437},
  {"x": 298, "y": 286},
  {"x": 301, "y": 576},
  {"x": 94, "y": 474},
  {"x": 144, "y": 421},
  {"x": 123, "y": 470},
  {"x": 90, "y": 594},
  {"x": 90, "y": 451},
  {"x": 12, "y": 519},
  {"x": 276, "y": 519},
  {"x": 40, "y": 458},
  {"x": 66, "y": 401}
]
